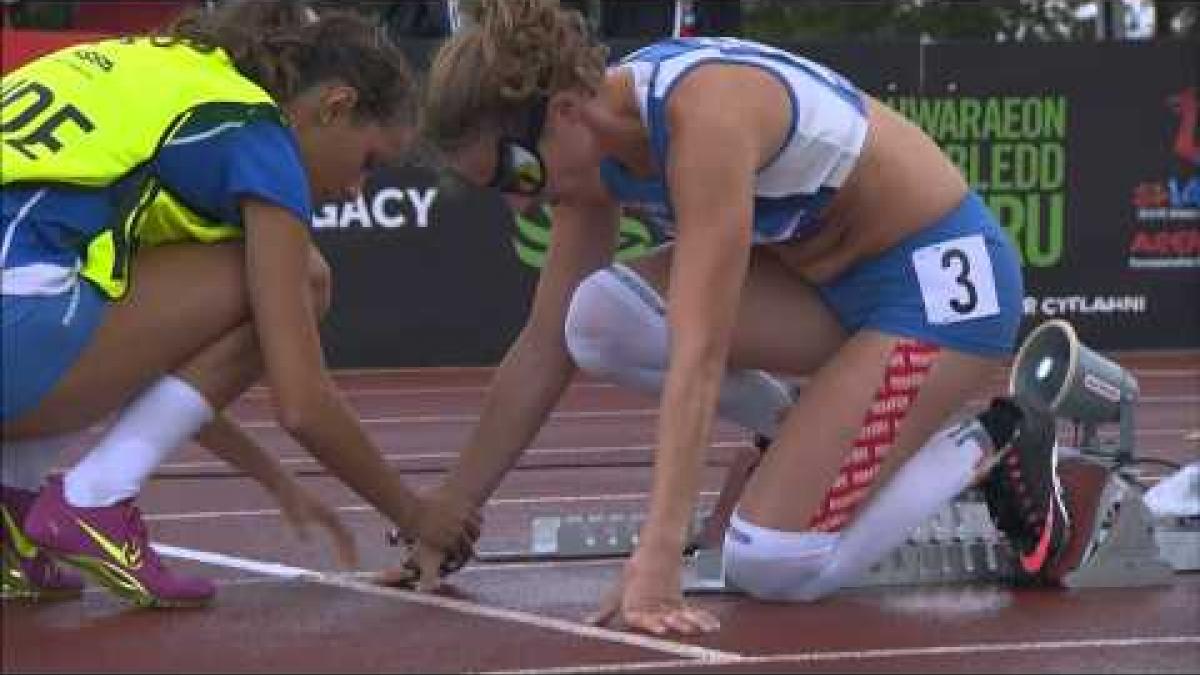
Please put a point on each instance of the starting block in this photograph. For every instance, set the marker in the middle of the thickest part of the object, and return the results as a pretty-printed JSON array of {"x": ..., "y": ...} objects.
[
  {"x": 1124, "y": 547},
  {"x": 1128, "y": 546},
  {"x": 958, "y": 545}
]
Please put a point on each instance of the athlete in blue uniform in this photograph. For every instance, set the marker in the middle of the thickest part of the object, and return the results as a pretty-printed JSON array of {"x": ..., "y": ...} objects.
[
  {"x": 815, "y": 232},
  {"x": 303, "y": 108}
]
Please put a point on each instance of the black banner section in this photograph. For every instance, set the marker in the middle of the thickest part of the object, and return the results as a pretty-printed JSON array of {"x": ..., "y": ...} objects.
[
  {"x": 1087, "y": 153},
  {"x": 424, "y": 274}
]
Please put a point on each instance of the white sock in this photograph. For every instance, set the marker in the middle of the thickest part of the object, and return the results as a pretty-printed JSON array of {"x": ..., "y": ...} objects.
[
  {"x": 772, "y": 564},
  {"x": 168, "y": 413},
  {"x": 25, "y": 464},
  {"x": 806, "y": 566},
  {"x": 616, "y": 328}
]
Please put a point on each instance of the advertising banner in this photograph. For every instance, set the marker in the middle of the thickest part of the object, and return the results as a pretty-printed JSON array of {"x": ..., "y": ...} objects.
[
  {"x": 1087, "y": 154},
  {"x": 425, "y": 272}
]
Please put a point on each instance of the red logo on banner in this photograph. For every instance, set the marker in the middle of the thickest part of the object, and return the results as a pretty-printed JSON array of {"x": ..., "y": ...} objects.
[
  {"x": 1185, "y": 105},
  {"x": 1151, "y": 196},
  {"x": 1168, "y": 210}
]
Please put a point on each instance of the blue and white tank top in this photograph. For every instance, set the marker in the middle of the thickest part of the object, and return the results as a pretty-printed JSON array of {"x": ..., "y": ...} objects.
[{"x": 829, "y": 128}]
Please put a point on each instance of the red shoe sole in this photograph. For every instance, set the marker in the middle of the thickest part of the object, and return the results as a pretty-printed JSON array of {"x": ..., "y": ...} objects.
[{"x": 1083, "y": 481}]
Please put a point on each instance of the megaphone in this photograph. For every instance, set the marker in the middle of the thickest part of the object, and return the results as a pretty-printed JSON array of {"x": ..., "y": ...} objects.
[{"x": 1055, "y": 373}]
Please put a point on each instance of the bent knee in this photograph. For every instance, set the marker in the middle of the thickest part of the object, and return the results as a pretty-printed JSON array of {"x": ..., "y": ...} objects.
[
  {"x": 588, "y": 334},
  {"x": 320, "y": 281},
  {"x": 609, "y": 325},
  {"x": 777, "y": 566}
]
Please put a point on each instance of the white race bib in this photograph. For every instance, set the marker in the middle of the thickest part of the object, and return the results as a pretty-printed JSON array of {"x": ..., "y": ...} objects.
[{"x": 957, "y": 283}]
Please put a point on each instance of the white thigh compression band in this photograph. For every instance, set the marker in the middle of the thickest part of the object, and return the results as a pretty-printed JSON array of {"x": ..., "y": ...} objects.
[
  {"x": 772, "y": 564},
  {"x": 616, "y": 329}
]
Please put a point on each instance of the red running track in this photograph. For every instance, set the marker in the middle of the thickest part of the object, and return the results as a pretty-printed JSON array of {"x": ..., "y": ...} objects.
[{"x": 594, "y": 456}]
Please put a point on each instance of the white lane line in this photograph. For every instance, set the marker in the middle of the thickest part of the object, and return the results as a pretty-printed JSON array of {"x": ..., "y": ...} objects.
[
  {"x": 603, "y": 414},
  {"x": 287, "y": 572},
  {"x": 912, "y": 652},
  {"x": 361, "y": 508},
  {"x": 489, "y": 370},
  {"x": 270, "y": 569},
  {"x": 540, "y": 565},
  {"x": 183, "y": 467},
  {"x": 260, "y": 393},
  {"x": 472, "y": 417},
  {"x": 392, "y": 457}
]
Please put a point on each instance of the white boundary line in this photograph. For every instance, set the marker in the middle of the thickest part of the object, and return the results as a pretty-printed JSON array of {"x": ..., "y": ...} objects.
[
  {"x": 910, "y": 652},
  {"x": 693, "y": 653},
  {"x": 361, "y": 508}
]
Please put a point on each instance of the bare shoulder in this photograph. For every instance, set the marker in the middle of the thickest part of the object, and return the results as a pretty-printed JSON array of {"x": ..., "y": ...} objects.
[
  {"x": 735, "y": 90},
  {"x": 729, "y": 102}
]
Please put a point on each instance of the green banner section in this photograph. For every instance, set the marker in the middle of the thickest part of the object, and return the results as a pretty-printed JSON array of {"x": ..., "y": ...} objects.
[
  {"x": 1013, "y": 151},
  {"x": 532, "y": 238}
]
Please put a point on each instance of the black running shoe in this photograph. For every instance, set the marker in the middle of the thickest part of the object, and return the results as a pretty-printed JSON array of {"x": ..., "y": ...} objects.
[{"x": 1023, "y": 491}]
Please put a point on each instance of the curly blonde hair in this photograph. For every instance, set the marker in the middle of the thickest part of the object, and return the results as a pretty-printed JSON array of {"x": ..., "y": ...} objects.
[{"x": 512, "y": 52}]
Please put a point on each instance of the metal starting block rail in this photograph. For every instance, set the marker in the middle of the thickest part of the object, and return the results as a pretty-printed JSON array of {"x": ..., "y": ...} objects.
[
  {"x": 957, "y": 545},
  {"x": 1128, "y": 547},
  {"x": 593, "y": 535}
]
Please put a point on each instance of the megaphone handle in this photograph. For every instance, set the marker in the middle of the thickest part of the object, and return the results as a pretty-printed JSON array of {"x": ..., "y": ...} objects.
[
  {"x": 1125, "y": 451},
  {"x": 1089, "y": 436}
]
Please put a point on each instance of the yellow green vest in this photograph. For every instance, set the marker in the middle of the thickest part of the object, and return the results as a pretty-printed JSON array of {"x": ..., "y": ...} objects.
[{"x": 93, "y": 114}]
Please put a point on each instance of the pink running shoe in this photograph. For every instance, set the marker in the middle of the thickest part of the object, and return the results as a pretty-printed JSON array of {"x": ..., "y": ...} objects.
[
  {"x": 110, "y": 544},
  {"x": 26, "y": 573}
]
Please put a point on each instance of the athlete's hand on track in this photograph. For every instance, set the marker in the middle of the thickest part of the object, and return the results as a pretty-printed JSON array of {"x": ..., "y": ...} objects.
[
  {"x": 444, "y": 540},
  {"x": 649, "y": 597},
  {"x": 302, "y": 510}
]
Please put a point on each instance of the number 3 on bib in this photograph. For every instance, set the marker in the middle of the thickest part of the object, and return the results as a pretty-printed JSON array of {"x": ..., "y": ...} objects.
[{"x": 957, "y": 283}]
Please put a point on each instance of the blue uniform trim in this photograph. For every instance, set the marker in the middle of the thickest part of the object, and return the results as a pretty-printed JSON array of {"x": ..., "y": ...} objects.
[
  {"x": 260, "y": 159},
  {"x": 843, "y": 88},
  {"x": 884, "y": 294},
  {"x": 777, "y": 217},
  {"x": 629, "y": 188},
  {"x": 209, "y": 175},
  {"x": 657, "y": 109},
  {"x": 210, "y": 171},
  {"x": 41, "y": 337},
  {"x": 774, "y": 214}
]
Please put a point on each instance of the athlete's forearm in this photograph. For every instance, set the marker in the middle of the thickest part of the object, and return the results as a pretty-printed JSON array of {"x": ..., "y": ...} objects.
[
  {"x": 687, "y": 409},
  {"x": 229, "y": 442},
  {"x": 337, "y": 440},
  {"x": 526, "y": 387}
]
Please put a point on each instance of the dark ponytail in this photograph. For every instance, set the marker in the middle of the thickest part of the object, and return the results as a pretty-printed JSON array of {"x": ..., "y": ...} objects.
[{"x": 286, "y": 48}]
